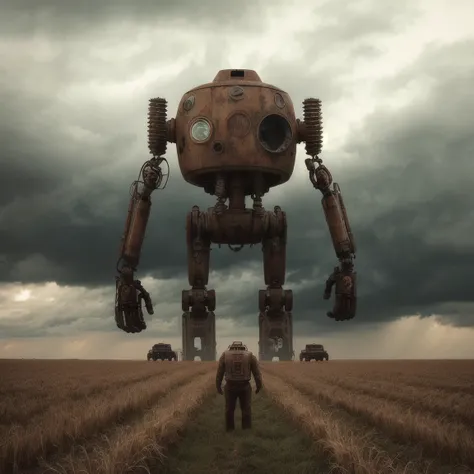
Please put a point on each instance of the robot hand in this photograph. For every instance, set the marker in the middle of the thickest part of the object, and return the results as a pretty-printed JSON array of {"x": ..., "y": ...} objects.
[
  {"x": 345, "y": 302},
  {"x": 128, "y": 302},
  {"x": 144, "y": 295}
]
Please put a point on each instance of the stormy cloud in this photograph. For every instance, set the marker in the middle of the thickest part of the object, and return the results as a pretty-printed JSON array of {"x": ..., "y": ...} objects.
[{"x": 74, "y": 90}]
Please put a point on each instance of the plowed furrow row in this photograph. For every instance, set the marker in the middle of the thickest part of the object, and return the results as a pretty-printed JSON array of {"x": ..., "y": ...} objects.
[
  {"x": 348, "y": 450},
  {"x": 454, "y": 406},
  {"x": 19, "y": 410},
  {"x": 138, "y": 446},
  {"x": 450, "y": 441},
  {"x": 79, "y": 420},
  {"x": 441, "y": 383},
  {"x": 44, "y": 375}
]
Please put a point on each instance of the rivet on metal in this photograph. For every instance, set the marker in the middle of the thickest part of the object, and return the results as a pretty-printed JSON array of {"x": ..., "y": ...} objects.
[
  {"x": 236, "y": 93},
  {"x": 189, "y": 103},
  {"x": 279, "y": 101}
]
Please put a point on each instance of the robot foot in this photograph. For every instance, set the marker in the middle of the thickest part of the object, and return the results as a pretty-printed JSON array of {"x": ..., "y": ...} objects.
[{"x": 199, "y": 324}]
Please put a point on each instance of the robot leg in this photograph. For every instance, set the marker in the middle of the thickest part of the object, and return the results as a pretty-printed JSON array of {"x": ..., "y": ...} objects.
[
  {"x": 198, "y": 303},
  {"x": 208, "y": 337},
  {"x": 286, "y": 352},
  {"x": 275, "y": 303},
  {"x": 274, "y": 325},
  {"x": 199, "y": 324}
]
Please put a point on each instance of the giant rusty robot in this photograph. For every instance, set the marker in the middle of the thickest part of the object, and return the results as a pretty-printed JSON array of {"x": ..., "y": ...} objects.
[{"x": 235, "y": 137}]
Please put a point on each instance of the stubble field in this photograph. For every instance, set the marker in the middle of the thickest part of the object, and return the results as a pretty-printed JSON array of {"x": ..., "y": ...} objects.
[{"x": 110, "y": 417}]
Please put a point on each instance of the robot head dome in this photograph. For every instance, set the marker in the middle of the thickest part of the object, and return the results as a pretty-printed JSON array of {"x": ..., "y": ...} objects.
[
  {"x": 237, "y": 126},
  {"x": 238, "y": 346}
]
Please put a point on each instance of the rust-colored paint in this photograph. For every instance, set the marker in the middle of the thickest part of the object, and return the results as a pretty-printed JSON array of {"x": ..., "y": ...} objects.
[
  {"x": 250, "y": 148},
  {"x": 235, "y": 125}
]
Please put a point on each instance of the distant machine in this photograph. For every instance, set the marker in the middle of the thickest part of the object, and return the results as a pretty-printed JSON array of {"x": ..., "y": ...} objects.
[
  {"x": 235, "y": 137},
  {"x": 162, "y": 351},
  {"x": 314, "y": 352}
]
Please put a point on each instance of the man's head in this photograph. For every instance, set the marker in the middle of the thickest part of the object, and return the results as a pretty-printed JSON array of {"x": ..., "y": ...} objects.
[{"x": 237, "y": 346}]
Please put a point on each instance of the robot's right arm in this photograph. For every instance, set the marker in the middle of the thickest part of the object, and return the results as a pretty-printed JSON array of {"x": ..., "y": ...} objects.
[{"x": 130, "y": 292}]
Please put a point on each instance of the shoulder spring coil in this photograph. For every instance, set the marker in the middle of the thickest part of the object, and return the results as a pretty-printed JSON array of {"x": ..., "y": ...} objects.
[
  {"x": 314, "y": 126},
  {"x": 157, "y": 130}
]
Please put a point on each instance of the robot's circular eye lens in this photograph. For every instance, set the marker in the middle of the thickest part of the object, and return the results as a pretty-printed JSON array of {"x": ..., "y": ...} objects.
[
  {"x": 275, "y": 133},
  {"x": 201, "y": 130}
]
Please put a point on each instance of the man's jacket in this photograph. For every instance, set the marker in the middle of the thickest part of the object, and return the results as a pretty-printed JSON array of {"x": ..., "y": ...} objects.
[{"x": 238, "y": 367}]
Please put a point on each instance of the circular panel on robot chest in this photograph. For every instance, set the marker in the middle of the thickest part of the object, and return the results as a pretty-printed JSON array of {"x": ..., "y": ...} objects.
[
  {"x": 274, "y": 133},
  {"x": 238, "y": 125},
  {"x": 189, "y": 103}
]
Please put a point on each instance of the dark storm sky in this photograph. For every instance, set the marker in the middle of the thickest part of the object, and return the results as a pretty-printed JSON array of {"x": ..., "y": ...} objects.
[{"x": 72, "y": 138}]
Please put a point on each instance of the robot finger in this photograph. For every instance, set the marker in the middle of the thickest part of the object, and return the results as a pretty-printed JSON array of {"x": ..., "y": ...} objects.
[
  {"x": 132, "y": 321},
  {"x": 148, "y": 304},
  {"x": 119, "y": 320},
  {"x": 344, "y": 308}
]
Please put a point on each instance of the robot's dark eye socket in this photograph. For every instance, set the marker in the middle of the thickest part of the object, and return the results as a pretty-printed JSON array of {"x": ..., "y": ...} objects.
[{"x": 275, "y": 133}]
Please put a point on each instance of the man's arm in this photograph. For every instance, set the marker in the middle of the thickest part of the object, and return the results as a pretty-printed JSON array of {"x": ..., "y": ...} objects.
[
  {"x": 220, "y": 373},
  {"x": 257, "y": 375}
]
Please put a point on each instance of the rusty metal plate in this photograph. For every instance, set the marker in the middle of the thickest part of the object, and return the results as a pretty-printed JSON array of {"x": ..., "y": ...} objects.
[{"x": 238, "y": 125}]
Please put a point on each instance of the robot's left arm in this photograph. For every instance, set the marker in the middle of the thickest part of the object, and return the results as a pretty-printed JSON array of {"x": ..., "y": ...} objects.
[
  {"x": 344, "y": 277},
  {"x": 130, "y": 292}
]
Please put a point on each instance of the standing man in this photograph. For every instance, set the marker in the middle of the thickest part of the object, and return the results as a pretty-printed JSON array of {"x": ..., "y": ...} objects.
[{"x": 238, "y": 364}]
